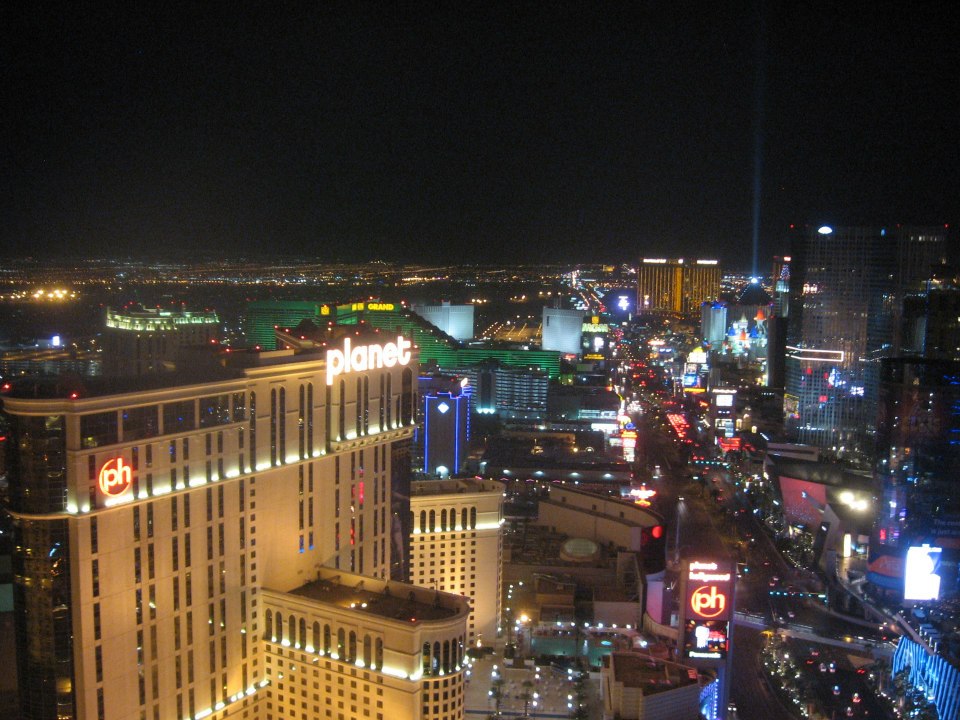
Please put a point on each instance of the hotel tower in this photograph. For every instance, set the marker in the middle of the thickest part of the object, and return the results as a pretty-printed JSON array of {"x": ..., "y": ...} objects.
[{"x": 215, "y": 542}]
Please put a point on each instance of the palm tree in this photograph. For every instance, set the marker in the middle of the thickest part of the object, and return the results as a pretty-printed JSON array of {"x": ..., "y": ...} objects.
[
  {"x": 527, "y": 696},
  {"x": 496, "y": 692}
]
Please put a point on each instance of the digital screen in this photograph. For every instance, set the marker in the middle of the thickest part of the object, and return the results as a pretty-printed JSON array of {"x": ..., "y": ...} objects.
[
  {"x": 690, "y": 379},
  {"x": 921, "y": 580},
  {"x": 706, "y": 639},
  {"x": 725, "y": 400}
]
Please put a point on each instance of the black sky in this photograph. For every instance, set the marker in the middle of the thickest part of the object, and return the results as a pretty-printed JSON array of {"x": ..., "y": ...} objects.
[{"x": 511, "y": 132}]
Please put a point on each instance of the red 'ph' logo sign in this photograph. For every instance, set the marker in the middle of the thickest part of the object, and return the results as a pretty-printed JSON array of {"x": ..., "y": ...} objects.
[
  {"x": 115, "y": 477},
  {"x": 708, "y": 602}
]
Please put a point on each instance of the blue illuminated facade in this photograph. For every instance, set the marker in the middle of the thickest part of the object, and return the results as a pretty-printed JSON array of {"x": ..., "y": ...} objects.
[
  {"x": 931, "y": 674},
  {"x": 446, "y": 424},
  {"x": 710, "y": 700}
]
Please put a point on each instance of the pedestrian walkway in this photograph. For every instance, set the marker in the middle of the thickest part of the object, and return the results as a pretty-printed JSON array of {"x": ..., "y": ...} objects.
[{"x": 546, "y": 696}]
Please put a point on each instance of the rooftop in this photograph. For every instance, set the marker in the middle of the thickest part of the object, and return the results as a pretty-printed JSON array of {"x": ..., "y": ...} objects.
[
  {"x": 391, "y": 600},
  {"x": 651, "y": 675},
  {"x": 195, "y": 365},
  {"x": 451, "y": 487}
]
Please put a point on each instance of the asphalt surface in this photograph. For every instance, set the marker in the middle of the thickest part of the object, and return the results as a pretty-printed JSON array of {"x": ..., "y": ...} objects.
[{"x": 768, "y": 588}]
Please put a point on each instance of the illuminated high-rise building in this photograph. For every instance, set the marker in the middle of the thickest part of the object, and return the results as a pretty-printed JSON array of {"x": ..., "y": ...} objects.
[
  {"x": 510, "y": 392},
  {"x": 444, "y": 433},
  {"x": 262, "y": 317},
  {"x": 455, "y": 320},
  {"x": 931, "y": 318},
  {"x": 148, "y": 341},
  {"x": 216, "y": 543},
  {"x": 780, "y": 284},
  {"x": 561, "y": 330},
  {"x": 456, "y": 546},
  {"x": 846, "y": 291},
  {"x": 917, "y": 470},
  {"x": 676, "y": 286}
]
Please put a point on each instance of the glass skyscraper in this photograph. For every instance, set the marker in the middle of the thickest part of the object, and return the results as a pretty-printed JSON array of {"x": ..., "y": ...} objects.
[
  {"x": 846, "y": 291},
  {"x": 918, "y": 463}
]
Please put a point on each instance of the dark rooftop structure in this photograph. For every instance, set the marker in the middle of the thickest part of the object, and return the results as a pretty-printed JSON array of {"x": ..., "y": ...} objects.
[
  {"x": 650, "y": 674},
  {"x": 195, "y": 365},
  {"x": 391, "y": 600}
]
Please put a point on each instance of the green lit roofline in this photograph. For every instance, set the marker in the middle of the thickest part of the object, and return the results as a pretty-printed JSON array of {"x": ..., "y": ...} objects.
[
  {"x": 445, "y": 351},
  {"x": 434, "y": 345}
]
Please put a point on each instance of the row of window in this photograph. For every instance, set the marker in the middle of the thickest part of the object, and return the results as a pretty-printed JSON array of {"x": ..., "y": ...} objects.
[
  {"x": 428, "y": 520},
  {"x": 442, "y": 658},
  {"x": 390, "y": 406},
  {"x": 294, "y": 633},
  {"x": 148, "y": 421}
]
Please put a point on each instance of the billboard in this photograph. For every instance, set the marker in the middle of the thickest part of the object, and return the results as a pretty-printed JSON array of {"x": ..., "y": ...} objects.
[
  {"x": 706, "y": 639},
  {"x": 709, "y": 591},
  {"x": 921, "y": 580},
  {"x": 723, "y": 401},
  {"x": 708, "y": 609}
]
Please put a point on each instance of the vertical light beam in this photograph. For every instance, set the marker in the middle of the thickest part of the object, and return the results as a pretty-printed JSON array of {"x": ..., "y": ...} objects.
[{"x": 758, "y": 92}]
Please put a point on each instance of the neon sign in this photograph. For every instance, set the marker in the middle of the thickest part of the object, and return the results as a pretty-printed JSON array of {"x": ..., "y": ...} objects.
[
  {"x": 115, "y": 477},
  {"x": 642, "y": 495},
  {"x": 708, "y": 601},
  {"x": 709, "y": 590},
  {"x": 366, "y": 357}
]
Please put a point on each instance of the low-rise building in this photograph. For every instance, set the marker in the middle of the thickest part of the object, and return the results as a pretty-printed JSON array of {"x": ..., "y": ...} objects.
[{"x": 640, "y": 687}]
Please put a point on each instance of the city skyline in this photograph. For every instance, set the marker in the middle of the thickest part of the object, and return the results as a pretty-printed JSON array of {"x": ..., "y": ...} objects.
[{"x": 523, "y": 133}]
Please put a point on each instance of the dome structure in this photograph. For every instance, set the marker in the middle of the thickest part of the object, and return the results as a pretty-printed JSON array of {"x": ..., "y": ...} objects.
[{"x": 580, "y": 550}]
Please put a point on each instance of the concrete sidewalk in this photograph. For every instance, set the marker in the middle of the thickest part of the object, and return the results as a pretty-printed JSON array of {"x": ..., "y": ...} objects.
[{"x": 552, "y": 687}]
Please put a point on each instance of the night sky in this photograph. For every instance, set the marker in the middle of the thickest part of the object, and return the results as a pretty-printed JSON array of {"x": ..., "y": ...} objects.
[{"x": 510, "y": 133}]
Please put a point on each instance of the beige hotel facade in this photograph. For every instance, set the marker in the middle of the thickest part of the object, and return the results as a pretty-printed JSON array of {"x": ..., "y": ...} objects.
[{"x": 215, "y": 543}]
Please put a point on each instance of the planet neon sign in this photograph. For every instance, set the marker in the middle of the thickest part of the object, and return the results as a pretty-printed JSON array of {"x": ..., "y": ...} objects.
[
  {"x": 115, "y": 477},
  {"x": 366, "y": 357}
]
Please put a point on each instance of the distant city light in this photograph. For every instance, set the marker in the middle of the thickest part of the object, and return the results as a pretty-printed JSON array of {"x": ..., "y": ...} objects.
[{"x": 825, "y": 230}]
